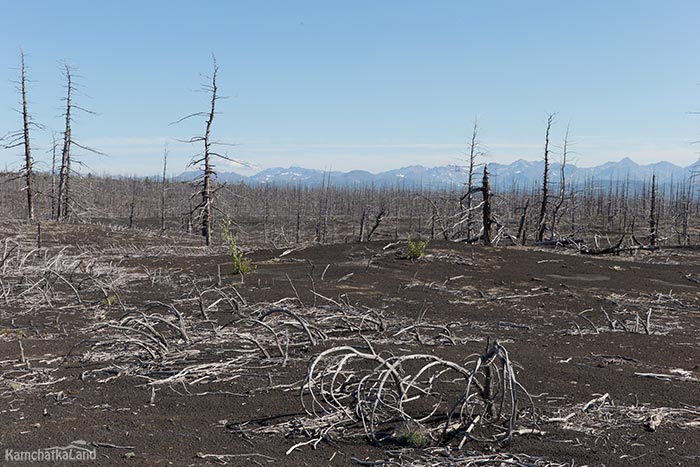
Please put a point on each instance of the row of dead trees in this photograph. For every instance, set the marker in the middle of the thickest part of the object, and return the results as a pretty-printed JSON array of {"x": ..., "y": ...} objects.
[
  {"x": 450, "y": 216},
  {"x": 294, "y": 214}
]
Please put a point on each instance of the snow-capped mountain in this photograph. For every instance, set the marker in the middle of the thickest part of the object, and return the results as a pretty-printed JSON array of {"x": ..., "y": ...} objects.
[{"x": 521, "y": 173}]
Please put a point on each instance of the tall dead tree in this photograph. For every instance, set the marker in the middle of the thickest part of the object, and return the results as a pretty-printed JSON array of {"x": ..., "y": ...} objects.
[
  {"x": 542, "y": 223},
  {"x": 28, "y": 163},
  {"x": 562, "y": 187},
  {"x": 163, "y": 184},
  {"x": 54, "y": 146},
  {"x": 21, "y": 138},
  {"x": 468, "y": 196},
  {"x": 62, "y": 208},
  {"x": 486, "y": 211},
  {"x": 653, "y": 234},
  {"x": 205, "y": 159},
  {"x": 65, "y": 202},
  {"x": 207, "y": 191}
]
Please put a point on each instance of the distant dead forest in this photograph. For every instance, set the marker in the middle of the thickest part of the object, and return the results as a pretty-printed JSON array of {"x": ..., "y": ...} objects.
[{"x": 591, "y": 217}]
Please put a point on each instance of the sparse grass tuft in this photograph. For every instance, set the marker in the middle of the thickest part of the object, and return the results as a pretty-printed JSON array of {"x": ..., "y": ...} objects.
[
  {"x": 415, "y": 249},
  {"x": 241, "y": 264}
]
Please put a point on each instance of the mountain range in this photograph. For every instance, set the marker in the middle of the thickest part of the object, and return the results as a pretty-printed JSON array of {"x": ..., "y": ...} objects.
[{"x": 521, "y": 173}]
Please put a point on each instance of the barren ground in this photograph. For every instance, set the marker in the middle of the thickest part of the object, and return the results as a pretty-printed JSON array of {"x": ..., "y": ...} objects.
[{"x": 222, "y": 388}]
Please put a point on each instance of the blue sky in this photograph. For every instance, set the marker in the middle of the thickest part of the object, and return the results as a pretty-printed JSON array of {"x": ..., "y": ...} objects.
[{"x": 367, "y": 85}]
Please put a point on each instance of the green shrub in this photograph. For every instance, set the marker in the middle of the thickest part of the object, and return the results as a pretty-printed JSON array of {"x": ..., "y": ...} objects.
[
  {"x": 241, "y": 264},
  {"x": 413, "y": 439},
  {"x": 415, "y": 249}
]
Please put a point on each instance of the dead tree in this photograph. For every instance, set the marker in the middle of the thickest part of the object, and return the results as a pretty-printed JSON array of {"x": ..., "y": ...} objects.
[
  {"x": 54, "y": 145},
  {"x": 64, "y": 201},
  {"x": 298, "y": 206},
  {"x": 132, "y": 203},
  {"x": 377, "y": 221},
  {"x": 541, "y": 225},
  {"x": 486, "y": 212},
  {"x": 522, "y": 227},
  {"x": 26, "y": 122},
  {"x": 208, "y": 168},
  {"x": 562, "y": 188},
  {"x": 653, "y": 234},
  {"x": 21, "y": 139},
  {"x": 362, "y": 226},
  {"x": 468, "y": 196},
  {"x": 205, "y": 159},
  {"x": 436, "y": 217},
  {"x": 62, "y": 209},
  {"x": 162, "y": 188},
  {"x": 488, "y": 220}
]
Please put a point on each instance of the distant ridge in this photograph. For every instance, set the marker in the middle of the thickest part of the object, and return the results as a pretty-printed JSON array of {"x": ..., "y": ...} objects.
[{"x": 521, "y": 173}]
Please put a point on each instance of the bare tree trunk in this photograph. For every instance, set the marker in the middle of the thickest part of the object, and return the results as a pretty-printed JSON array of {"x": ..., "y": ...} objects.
[
  {"x": 132, "y": 204},
  {"x": 298, "y": 226},
  {"x": 487, "y": 216},
  {"x": 377, "y": 221},
  {"x": 26, "y": 122},
  {"x": 562, "y": 188},
  {"x": 652, "y": 214},
  {"x": 396, "y": 221},
  {"x": 189, "y": 223},
  {"x": 208, "y": 169},
  {"x": 54, "y": 214},
  {"x": 64, "y": 174},
  {"x": 522, "y": 228},
  {"x": 204, "y": 161},
  {"x": 573, "y": 211},
  {"x": 362, "y": 226},
  {"x": 541, "y": 225},
  {"x": 162, "y": 189},
  {"x": 473, "y": 152},
  {"x": 266, "y": 217},
  {"x": 326, "y": 208}
]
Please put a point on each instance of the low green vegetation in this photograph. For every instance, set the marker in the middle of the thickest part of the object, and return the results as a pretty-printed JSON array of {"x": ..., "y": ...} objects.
[
  {"x": 241, "y": 264},
  {"x": 415, "y": 249},
  {"x": 413, "y": 439}
]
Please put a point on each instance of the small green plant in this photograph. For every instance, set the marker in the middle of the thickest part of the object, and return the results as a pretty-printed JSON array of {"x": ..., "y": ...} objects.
[
  {"x": 111, "y": 300},
  {"x": 415, "y": 249},
  {"x": 241, "y": 264},
  {"x": 413, "y": 439}
]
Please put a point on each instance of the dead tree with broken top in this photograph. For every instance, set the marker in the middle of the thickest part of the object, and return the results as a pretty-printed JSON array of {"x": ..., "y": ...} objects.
[
  {"x": 653, "y": 233},
  {"x": 487, "y": 215},
  {"x": 163, "y": 188},
  {"x": 487, "y": 218},
  {"x": 542, "y": 222}
]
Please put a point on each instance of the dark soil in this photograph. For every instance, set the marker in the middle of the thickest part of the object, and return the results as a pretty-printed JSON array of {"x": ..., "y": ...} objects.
[{"x": 528, "y": 299}]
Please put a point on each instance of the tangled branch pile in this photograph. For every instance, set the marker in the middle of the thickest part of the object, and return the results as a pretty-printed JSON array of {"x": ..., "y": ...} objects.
[{"x": 418, "y": 399}]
